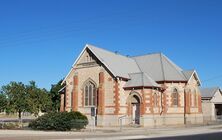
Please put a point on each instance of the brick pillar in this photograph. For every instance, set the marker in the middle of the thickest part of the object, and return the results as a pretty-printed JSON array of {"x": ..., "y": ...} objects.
[
  {"x": 199, "y": 104},
  {"x": 116, "y": 97},
  {"x": 66, "y": 98},
  {"x": 129, "y": 110},
  {"x": 101, "y": 94},
  {"x": 151, "y": 105},
  {"x": 164, "y": 103},
  {"x": 75, "y": 94},
  {"x": 195, "y": 100},
  {"x": 187, "y": 96},
  {"x": 62, "y": 106},
  {"x": 142, "y": 104}
]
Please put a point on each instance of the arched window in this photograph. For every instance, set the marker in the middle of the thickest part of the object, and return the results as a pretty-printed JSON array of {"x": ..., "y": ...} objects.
[
  {"x": 175, "y": 97},
  {"x": 195, "y": 97},
  {"x": 90, "y": 94},
  {"x": 155, "y": 101}
]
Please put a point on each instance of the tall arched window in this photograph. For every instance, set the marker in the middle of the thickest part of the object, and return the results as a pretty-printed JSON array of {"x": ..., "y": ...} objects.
[
  {"x": 195, "y": 97},
  {"x": 90, "y": 94},
  {"x": 155, "y": 101},
  {"x": 175, "y": 97}
]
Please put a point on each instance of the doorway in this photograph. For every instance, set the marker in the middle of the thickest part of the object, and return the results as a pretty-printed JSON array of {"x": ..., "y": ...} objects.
[{"x": 135, "y": 104}]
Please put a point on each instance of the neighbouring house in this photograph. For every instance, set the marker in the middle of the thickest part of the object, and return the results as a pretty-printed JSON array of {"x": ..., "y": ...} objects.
[
  {"x": 148, "y": 90},
  {"x": 211, "y": 103}
]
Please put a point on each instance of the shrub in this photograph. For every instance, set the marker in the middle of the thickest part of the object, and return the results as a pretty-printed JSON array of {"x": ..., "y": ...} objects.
[
  {"x": 9, "y": 125},
  {"x": 60, "y": 121}
]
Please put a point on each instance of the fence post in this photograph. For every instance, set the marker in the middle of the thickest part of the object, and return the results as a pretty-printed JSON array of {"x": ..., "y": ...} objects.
[{"x": 121, "y": 125}]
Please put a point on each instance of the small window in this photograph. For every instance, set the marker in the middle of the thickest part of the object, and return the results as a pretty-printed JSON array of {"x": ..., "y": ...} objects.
[
  {"x": 87, "y": 58},
  {"x": 175, "y": 97}
]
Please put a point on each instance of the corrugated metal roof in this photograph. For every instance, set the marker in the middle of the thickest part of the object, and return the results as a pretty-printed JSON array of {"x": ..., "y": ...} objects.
[
  {"x": 118, "y": 64},
  {"x": 150, "y": 68},
  {"x": 160, "y": 68},
  {"x": 140, "y": 79},
  {"x": 188, "y": 73},
  {"x": 208, "y": 92}
]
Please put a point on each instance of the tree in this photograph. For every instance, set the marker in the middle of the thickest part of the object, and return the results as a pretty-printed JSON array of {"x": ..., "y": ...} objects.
[
  {"x": 24, "y": 98},
  {"x": 38, "y": 99},
  {"x": 17, "y": 97},
  {"x": 55, "y": 96},
  {"x": 3, "y": 102}
]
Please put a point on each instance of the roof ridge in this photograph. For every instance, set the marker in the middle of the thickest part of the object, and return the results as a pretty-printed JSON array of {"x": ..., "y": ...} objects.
[
  {"x": 143, "y": 79},
  {"x": 153, "y": 53},
  {"x": 138, "y": 65},
  {"x": 161, "y": 61},
  {"x": 174, "y": 66},
  {"x": 215, "y": 90},
  {"x": 89, "y": 45}
]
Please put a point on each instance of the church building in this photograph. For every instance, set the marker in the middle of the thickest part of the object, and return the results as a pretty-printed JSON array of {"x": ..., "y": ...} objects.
[{"x": 146, "y": 90}]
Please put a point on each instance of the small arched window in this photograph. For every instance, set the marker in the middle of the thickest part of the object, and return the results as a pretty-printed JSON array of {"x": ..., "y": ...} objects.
[
  {"x": 90, "y": 94},
  {"x": 175, "y": 96},
  {"x": 155, "y": 100}
]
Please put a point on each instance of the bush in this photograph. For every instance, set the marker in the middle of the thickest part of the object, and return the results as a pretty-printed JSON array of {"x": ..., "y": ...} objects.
[
  {"x": 9, "y": 125},
  {"x": 60, "y": 121}
]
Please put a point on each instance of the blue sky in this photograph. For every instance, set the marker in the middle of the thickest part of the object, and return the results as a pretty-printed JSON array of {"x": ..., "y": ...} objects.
[{"x": 40, "y": 39}]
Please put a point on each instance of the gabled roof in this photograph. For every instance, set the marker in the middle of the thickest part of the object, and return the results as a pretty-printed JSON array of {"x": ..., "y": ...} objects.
[
  {"x": 159, "y": 67},
  {"x": 143, "y": 70},
  {"x": 189, "y": 73},
  {"x": 140, "y": 80},
  {"x": 119, "y": 65},
  {"x": 208, "y": 93}
]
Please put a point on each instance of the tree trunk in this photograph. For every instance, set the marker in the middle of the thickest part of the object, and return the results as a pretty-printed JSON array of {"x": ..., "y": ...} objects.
[{"x": 20, "y": 115}]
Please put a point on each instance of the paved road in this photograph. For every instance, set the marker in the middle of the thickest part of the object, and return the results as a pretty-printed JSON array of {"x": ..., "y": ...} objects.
[{"x": 210, "y": 136}]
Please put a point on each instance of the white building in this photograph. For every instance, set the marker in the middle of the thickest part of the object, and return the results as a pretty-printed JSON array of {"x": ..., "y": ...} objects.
[{"x": 211, "y": 103}]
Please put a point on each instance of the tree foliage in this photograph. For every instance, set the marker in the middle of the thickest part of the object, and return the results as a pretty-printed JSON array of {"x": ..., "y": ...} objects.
[
  {"x": 55, "y": 96},
  {"x": 38, "y": 99},
  {"x": 3, "y": 102},
  {"x": 25, "y": 98},
  {"x": 17, "y": 97}
]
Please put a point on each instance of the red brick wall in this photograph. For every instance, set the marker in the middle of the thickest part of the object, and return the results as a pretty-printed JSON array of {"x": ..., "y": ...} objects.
[
  {"x": 199, "y": 104},
  {"x": 101, "y": 94},
  {"x": 187, "y": 96},
  {"x": 116, "y": 97},
  {"x": 75, "y": 94},
  {"x": 62, "y": 103},
  {"x": 143, "y": 104}
]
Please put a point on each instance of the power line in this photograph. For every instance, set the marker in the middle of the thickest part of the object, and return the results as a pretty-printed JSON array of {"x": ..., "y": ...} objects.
[
  {"x": 212, "y": 78},
  {"x": 55, "y": 34},
  {"x": 24, "y": 36}
]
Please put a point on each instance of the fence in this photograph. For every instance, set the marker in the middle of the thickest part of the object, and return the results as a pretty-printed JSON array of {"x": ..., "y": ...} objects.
[{"x": 7, "y": 123}]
